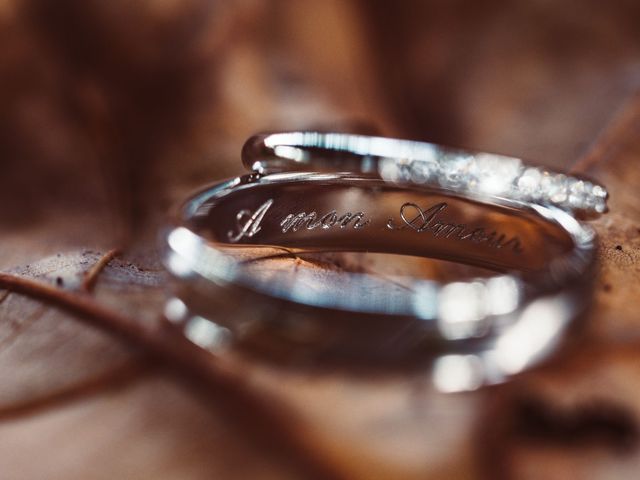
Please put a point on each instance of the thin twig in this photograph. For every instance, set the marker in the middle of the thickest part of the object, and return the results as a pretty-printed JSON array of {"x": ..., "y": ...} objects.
[
  {"x": 91, "y": 276},
  {"x": 274, "y": 426}
]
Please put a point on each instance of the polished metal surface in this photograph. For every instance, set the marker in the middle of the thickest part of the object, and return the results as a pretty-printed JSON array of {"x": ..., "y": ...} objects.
[
  {"x": 420, "y": 163},
  {"x": 468, "y": 332}
]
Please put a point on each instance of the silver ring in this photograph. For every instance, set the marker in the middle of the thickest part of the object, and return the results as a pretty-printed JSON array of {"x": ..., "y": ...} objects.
[
  {"x": 422, "y": 163},
  {"x": 472, "y": 333}
]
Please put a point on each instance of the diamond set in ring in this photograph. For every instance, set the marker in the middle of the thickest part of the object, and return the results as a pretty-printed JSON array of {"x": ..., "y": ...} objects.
[
  {"x": 496, "y": 175},
  {"x": 425, "y": 163}
]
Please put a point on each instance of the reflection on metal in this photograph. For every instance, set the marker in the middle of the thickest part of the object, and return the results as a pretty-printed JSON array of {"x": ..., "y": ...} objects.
[
  {"x": 185, "y": 246},
  {"x": 462, "y": 309},
  {"x": 175, "y": 310},
  {"x": 296, "y": 154},
  {"x": 537, "y": 332},
  {"x": 458, "y": 373},
  {"x": 503, "y": 295},
  {"x": 425, "y": 300},
  {"x": 206, "y": 334}
]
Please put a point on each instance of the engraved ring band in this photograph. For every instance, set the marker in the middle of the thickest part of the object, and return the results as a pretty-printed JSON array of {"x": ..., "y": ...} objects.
[{"x": 471, "y": 332}]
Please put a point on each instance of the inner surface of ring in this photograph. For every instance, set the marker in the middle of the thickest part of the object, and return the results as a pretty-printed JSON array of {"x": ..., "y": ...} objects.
[{"x": 375, "y": 216}]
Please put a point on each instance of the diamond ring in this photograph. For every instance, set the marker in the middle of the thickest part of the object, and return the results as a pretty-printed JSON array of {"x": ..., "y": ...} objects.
[{"x": 403, "y": 161}]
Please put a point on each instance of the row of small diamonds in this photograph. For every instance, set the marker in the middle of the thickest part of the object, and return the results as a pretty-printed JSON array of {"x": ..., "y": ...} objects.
[{"x": 496, "y": 175}]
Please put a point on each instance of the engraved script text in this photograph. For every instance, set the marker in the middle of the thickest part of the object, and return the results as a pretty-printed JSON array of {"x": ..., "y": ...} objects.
[
  {"x": 248, "y": 223},
  {"x": 412, "y": 216},
  {"x": 294, "y": 222},
  {"x": 427, "y": 220}
]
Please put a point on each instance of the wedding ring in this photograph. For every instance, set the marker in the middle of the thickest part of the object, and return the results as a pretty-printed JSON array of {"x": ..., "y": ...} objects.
[
  {"x": 420, "y": 163},
  {"x": 471, "y": 333}
]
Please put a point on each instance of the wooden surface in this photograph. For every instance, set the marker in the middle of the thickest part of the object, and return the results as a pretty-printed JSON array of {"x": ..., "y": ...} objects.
[{"x": 110, "y": 115}]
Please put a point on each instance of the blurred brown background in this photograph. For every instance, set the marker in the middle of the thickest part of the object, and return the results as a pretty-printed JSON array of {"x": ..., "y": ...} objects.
[{"x": 111, "y": 111}]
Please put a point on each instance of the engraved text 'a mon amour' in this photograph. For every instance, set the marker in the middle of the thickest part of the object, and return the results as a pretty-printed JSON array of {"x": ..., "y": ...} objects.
[{"x": 412, "y": 216}]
